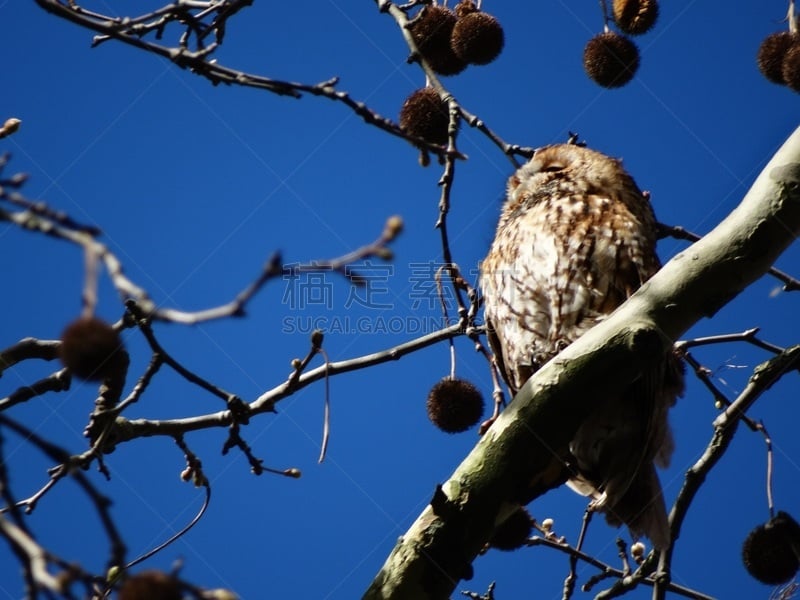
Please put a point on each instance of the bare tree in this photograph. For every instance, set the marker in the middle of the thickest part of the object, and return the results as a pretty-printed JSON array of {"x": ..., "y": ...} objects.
[{"x": 456, "y": 526}]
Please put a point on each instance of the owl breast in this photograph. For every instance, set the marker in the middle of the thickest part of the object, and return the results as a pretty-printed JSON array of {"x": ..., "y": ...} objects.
[
  {"x": 576, "y": 238},
  {"x": 554, "y": 270}
]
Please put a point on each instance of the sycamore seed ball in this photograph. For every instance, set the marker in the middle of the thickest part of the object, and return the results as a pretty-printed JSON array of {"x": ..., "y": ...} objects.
[
  {"x": 424, "y": 114},
  {"x": 610, "y": 59},
  {"x": 431, "y": 32},
  {"x": 635, "y": 16},
  {"x": 771, "y": 53},
  {"x": 514, "y": 531},
  {"x": 454, "y": 405},
  {"x": 151, "y": 585},
  {"x": 477, "y": 37},
  {"x": 770, "y": 551},
  {"x": 791, "y": 67},
  {"x": 91, "y": 349}
]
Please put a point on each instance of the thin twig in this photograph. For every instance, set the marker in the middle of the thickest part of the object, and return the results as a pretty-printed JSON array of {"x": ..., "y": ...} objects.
[
  {"x": 326, "y": 419},
  {"x": 725, "y": 426},
  {"x": 567, "y": 549},
  {"x": 72, "y": 465},
  {"x": 131, "y": 31},
  {"x": 770, "y": 461},
  {"x": 233, "y": 401},
  {"x": 26, "y": 349},
  {"x": 131, "y": 429},
  {"x": 57, "y": 382},
  {"x": 720, "y": 400},
  {"x": 748, "y": 336}
]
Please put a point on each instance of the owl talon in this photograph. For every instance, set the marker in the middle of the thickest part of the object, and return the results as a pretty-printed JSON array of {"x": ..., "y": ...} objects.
[
  {"x": 597, "y": 504},
  {"x": 486, "y": 424}
]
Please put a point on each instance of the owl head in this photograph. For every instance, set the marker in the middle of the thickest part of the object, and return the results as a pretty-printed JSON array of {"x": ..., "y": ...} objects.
[{"x": 568, "y": 169}]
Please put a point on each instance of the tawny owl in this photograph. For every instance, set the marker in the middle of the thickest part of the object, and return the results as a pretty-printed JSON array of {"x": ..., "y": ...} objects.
[{"x": 576, "y": 238}]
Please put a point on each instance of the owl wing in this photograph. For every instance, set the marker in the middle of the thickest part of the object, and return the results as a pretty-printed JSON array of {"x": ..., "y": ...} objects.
[{"x": 497, "y": 351}]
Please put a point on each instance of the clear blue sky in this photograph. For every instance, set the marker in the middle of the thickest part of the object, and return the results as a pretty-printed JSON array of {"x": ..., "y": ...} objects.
[{"x": 194, "y": 186}]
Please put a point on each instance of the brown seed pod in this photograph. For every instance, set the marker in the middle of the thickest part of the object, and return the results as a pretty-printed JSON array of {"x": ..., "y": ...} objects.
[
  {"x": 512, "y": 533},
  {"x": 635, "y": 16},
  {"x": 424, "y": 114},
  {"x": 790, "y": 68},
  {"x": 465, "y": 7},
  {"x": 610, "y": 59},
  {"x": 477, "y": 37},
  {"x": 454, "y": 405},
  {"x": 770, "y": 552},
  {"x": 431, "y": 32},
  {"x": 771, "y": 53},
  {"x": 91, "y": 349},
  {"x": 150, "y": 585}
]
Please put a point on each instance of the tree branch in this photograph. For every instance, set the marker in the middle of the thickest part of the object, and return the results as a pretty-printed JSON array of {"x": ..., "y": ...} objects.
[
  {"x": 438, "y": 549},
  {"x": 127, "y": 430}
]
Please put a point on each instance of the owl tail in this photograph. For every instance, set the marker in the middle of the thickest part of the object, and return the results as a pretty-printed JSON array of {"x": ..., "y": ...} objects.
[{"x": 642, "y": 508}]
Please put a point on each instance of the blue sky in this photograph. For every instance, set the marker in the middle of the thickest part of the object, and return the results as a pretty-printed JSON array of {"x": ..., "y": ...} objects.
[{"x": 195, "y": 186}]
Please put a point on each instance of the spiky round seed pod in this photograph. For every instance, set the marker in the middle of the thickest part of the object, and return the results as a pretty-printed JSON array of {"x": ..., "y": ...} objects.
[
  {"x": 91, "y": 349},
  {"x": 424, "y": 114},
  {"x": 771, "y": 53},
  {"x": 610, "y": 59},
  {"x": 477, "y": 38},
  {"x": 431, "y": 32},
  {"x": 791, "y": 67},
  {"x": 512, "y": 533},
  {"x": 454, "y": 405},
  {"x": 151, "y": 585},
  {"x": 770, "y": 551},
  {"x": 464, "y": 8},
  {"x": 635, "y": 16}
]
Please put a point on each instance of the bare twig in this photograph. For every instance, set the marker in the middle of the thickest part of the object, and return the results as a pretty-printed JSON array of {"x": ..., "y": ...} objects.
[
  {"x": 572, "y": 576},
  {"x": 57, "y": 382},
  {"x": 72, "y": 466},
  {"x": 234, "y": 403},
  {"x": 257, "y": 466},
  {"x": 26, "y": 349},
  {"x": 179, "y": 534},
  {"x": 608, "y": 570},
  {"x": 131, "y": 429},
  {"x": 748, "y": 336},
  {"x": 489, "y": 595},
  {"x": 399, "y": 14},
  {"x": 768, "y": 442},
  {"x": 725, "y": 425},
  {"x": 132, "y": 31},
  {"x": 720, "y": 399},
  {"x": 326, "y": 419}
]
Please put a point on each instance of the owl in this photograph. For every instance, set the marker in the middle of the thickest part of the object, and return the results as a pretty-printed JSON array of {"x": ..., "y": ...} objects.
[{"x": 576, "y": 238}]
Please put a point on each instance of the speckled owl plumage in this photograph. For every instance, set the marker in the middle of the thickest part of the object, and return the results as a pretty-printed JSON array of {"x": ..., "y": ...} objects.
[{"x": 576, "y": 238}]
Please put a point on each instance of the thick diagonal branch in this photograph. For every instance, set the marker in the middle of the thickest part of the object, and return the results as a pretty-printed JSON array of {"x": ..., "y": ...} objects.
[{"x": 438, "y": 549}]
